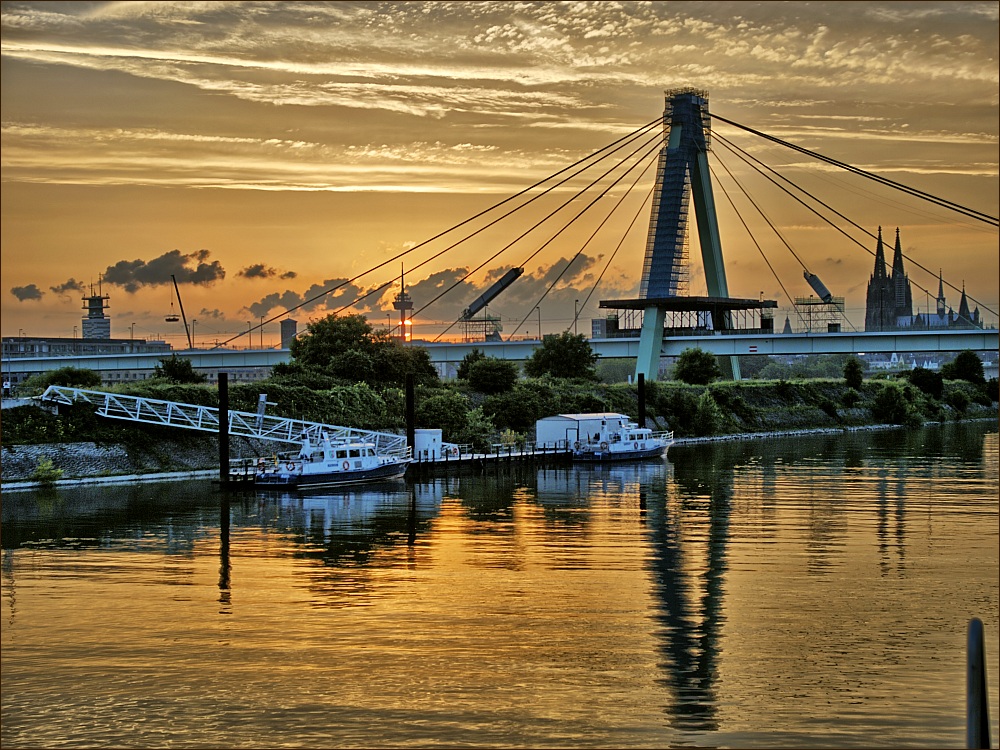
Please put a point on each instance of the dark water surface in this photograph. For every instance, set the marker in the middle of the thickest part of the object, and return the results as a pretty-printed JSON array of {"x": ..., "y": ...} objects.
[{"x": 806, "y": 592}]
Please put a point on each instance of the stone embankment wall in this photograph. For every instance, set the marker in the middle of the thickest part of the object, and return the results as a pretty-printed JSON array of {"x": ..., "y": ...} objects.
[{"x": 75, "y": 460}]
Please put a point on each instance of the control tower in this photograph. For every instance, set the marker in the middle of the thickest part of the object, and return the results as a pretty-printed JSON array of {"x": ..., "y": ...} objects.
[{"x": 96, "y": 325}]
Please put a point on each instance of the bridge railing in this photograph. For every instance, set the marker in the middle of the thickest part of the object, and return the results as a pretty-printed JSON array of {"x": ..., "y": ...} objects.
[{"x": 206, "y": 419}]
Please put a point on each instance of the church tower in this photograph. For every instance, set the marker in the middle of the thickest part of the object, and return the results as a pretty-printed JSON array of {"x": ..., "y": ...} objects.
[
  {"x": 880, "y": 301},
  {"x": 902, "y": 293}
]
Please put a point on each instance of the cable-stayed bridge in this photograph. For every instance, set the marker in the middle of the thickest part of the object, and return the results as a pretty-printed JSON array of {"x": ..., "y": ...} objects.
[{"x": 564, "y": 210}]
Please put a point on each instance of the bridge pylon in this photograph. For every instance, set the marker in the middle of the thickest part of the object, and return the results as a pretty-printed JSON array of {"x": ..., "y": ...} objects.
[{"x": 682, "y": 177}]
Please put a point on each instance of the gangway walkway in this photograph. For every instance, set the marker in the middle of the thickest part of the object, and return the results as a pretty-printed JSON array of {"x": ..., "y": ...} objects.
[{"x": 206, "y": 419}]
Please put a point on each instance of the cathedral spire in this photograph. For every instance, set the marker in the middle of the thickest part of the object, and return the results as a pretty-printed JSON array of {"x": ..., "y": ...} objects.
[
  {"x": 940, "y": 297},
  {"x": 963, "y": 306},
  {"x": 879, "y": 258},
  {"x": 897, "y": 257}
]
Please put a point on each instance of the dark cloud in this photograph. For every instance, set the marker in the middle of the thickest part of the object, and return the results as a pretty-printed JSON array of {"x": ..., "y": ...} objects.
[
  {"x": 26, "y": 293},
  {"x": 193, "y": 268},
  {"x": 70, "y": 285},
  {"x": 340, "y": 297},
  {"x": 263, "y": 271}
]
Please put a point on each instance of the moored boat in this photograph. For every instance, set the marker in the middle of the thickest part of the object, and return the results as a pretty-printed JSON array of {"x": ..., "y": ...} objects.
[
  {"x": 602, "y": 437},
  {"x": 330, "y": 465}
]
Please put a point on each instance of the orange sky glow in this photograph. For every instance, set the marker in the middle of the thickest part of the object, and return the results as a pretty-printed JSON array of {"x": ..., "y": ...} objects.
[{"x": 262, "y": 152}]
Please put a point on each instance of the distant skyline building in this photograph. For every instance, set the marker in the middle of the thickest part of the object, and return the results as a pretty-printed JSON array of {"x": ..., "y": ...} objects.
[
  {"x": 889, "y": 303},
  {"x": 96, "y": 325}
]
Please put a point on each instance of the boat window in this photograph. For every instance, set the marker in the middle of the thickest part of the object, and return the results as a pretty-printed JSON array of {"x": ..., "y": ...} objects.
[
  {"x": 355, "y": 453},
  {"x": 371, "y": 451},
  {"x": 341, "y": 454}
]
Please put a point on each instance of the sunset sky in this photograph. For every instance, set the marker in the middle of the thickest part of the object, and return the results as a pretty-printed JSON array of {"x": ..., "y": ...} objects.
[{"x": 265, "y": 151}]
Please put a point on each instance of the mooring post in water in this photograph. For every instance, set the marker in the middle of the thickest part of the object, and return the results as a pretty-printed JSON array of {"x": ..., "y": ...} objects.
[
  {"x": 224, "y": 429},
  {"x": 641, "y": 379},
  {"x": 977, "y": 730},
  {"x": 410, "y": 419}
]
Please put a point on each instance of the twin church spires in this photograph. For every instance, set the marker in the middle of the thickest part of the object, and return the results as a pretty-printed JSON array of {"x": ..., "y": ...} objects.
[{"x": 889, "y": 306}]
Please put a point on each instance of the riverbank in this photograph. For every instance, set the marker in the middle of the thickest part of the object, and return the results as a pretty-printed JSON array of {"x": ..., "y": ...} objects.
[{"x": 92, "y": 464}]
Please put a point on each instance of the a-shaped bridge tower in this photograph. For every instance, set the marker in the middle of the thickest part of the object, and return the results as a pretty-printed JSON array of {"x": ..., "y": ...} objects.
[{"x": 682, "y": 177}]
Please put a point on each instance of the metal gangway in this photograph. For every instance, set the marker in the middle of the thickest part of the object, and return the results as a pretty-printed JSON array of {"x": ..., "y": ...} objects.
[{"x": 206, "y": 419}]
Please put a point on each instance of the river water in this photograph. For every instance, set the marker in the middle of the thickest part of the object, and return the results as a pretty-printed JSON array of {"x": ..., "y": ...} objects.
[{"x": 801, "y": 592}]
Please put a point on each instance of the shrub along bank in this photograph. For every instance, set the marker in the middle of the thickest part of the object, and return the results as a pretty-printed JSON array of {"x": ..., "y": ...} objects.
[{"x": 469, "y": 416}]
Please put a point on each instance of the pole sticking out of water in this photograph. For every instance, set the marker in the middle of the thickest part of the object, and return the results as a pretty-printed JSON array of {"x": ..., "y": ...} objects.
[
  {"x": 224, "y": 430},
  {"x": 977, "y": 731},
  {"x": 410, "y": 412},
  {"x": 641, "y": 379}
]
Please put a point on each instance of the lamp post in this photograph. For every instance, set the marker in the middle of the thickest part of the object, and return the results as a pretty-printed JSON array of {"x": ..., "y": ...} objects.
[
  {"x": 132, "y": 334},
  {"x": 576, "y": 314},
  {"x": 261, "y": 331},
  {"x": 194, "y": 321},
  {"x": 249, "y": 334},
  {"x": 539, "y": 323}
]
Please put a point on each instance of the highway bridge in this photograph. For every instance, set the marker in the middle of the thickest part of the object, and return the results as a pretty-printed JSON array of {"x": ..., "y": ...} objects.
[{"x": 446, "y": 356}]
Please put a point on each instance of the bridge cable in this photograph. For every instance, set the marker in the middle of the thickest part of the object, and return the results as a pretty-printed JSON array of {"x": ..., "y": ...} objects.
[
  {"x": 630, "y": 136},
  {"x": 944, "y": 203},
  {"x": 748, "y": 158},
  {"x": 493, "y": 223},
  {"x": 655, "y": 141},
  {"x": 593, "y": 234},
  {"x": 506, "y": 247},
  {"x": 495, "y": 255},
  {"x": 759, "y": 248},
  {"x": 642, "y": 207},
  {"x": 739, "y": 152}
]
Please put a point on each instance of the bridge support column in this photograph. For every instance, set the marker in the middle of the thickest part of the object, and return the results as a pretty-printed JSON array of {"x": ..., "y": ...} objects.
[{"x": 647, "y": 363}]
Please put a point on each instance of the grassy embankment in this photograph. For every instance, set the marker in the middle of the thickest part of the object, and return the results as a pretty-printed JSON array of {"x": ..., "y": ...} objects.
[{"x": 466, "y": 416}]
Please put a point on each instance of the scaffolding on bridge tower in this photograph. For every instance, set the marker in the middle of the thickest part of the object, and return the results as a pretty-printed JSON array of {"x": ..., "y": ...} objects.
[{"x": 682, "y": 178}]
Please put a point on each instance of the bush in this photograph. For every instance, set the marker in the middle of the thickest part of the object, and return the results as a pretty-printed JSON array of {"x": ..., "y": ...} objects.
[
  {"x": 851, "y": 398},
  {"x": 958, "y": 401},
  {"x": 966, "y": 366},
  {"x": 70, "y": 377},
  {"x": 46, "y": 474},
  {"x": 853, "y": 373},
  {"x": 566, "y": 355},
  {"x": 697, "y": 367},
  {"x": 492, "y": 375},
  {"x": 992, "y": 390},
  {"x": 891, "y": 406},
  {"x": 708, "y": 417},
  {"x": 931, "y": 383}
]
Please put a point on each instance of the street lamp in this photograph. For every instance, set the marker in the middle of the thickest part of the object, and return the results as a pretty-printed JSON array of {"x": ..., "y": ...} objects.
[
  {"x": 261, "y": 331},
  {"x": 132, "y": 334},
  {"x": 193, "y": 322},
  {"x": 249, "y": 334},
  {"x": 576, "y": 314}
]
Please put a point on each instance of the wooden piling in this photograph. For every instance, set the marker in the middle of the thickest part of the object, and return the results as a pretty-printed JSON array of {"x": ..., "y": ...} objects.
[
  {"x": 410, "y": 413},
  {"x": 224, "y": 430},
  {"x": 641, "y": 381},
  {"x": 977, "y": 729}
]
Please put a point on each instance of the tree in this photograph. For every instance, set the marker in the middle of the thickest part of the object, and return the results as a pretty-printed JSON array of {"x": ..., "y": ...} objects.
[
  {"x": 71, "y": 377},
  {"x": 565, "y": 355},
  {"x": 348, "y": 348},
  {"x": 467, "y": 361},
  {"x": 177, "y": 370},
  {"x": 493, "y": 375},
  {"x": 853, "y": 373},
  {"x": 696, "y": 367},
  {"x": 928, "y": 381},
  {"x": 966, "y": 366}
]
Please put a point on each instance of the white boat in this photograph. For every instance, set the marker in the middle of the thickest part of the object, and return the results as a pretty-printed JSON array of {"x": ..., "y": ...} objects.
[
  {"x": 330, "y": 465},
  {"x": 629, "y": 442},
  {"x": 601, "y": 437}
]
